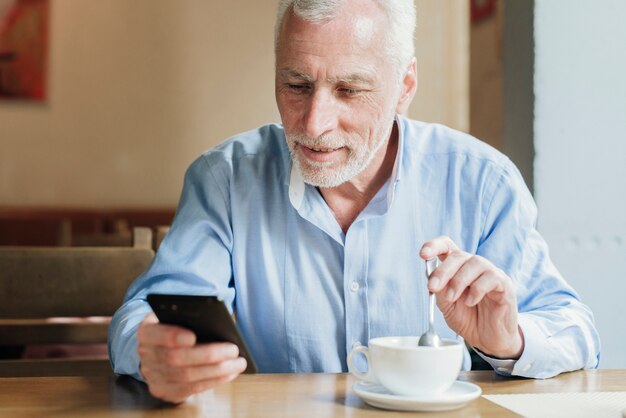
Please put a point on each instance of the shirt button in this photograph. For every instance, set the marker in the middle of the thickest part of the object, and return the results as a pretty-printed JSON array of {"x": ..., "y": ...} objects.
[
  {"x": 527, "y": 367},
  {"x": 354, "y": 286}
]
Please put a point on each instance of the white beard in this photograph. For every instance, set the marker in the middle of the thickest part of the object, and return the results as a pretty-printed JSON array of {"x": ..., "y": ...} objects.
[{"x": 323, "y": 174}]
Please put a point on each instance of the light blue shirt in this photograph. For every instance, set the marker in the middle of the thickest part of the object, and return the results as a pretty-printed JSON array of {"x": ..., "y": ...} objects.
[{"x": 249, "y": 230}]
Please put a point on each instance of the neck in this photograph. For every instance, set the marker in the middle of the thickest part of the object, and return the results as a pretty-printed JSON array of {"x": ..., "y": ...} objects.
[{"x": 350, "y": 198}]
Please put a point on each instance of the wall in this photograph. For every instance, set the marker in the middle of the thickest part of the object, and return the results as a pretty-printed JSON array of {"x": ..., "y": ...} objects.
[
  {"x": 518, "y": 96},
  {"x": 137, "y": 89},
  {"x": 501, "y": 82},
  {"x": 442, "y": 47},
  {"x": 486, "y": 74},
  {"x": 580, "y": 163}
]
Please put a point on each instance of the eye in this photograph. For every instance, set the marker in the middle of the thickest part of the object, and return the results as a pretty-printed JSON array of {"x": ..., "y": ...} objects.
[
  {"x": 299, "y": 88},
  {"x": 347, "y": 91}
]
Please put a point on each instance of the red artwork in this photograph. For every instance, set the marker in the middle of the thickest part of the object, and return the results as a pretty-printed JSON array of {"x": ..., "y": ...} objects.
[
  {"x": 481, "y": 9},
  {"x": 23, "y": 49}
]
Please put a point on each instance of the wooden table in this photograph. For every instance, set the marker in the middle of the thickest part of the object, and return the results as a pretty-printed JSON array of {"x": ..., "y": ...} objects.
[{"x": 268, "y": 396}]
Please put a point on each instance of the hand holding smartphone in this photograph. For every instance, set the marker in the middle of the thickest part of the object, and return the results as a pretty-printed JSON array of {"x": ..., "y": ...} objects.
[{"x": 206, "y": 316}]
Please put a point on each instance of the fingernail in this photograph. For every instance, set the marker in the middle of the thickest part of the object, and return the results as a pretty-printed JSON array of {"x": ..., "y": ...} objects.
[
  {"x": 426, "y": 251},
  {"x": 470, "y": 300},
  {"x": 450, "y": 294},
  {"x": 185, "y": 339},
  {"x": 232, "y": 351},
  {"x": 242, "y": 363},
  {"x": 434, "y": 283}
]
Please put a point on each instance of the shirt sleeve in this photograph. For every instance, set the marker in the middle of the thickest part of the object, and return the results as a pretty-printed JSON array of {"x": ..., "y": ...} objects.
[
  {"x": 559, "y": 331},
  {"x": 194, "y": 258}
]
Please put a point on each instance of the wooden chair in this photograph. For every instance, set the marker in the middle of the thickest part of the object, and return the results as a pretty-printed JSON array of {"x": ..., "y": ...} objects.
[
  {"x": 160, "y": 231},
  {"x": 121, "y": 236},
  {"x": 74, "y": 283}
]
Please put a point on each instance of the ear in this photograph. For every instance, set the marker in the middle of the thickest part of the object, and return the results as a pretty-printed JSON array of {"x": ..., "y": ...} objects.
[{"x": 408, "y": 88}]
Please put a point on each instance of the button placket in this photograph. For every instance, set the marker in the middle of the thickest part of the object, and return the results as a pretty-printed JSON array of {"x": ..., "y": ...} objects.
[{"x": 355, "y": 268}]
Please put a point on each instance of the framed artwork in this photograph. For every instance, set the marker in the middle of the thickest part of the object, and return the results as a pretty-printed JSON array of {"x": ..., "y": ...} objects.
[
  {"x": 23, "y": 49},
  {"x": 481, "y": 9}
]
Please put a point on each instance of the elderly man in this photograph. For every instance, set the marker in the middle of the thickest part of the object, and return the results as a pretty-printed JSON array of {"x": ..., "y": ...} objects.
[{"x": 315, "y": 231}]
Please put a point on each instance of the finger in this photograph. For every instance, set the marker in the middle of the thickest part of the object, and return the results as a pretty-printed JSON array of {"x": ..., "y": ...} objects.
[
  {"x": 151, "y": 318},
  {"x": 164, "y": 335},
  {"x": 467, "y": 273},
  {"x": 487, "y": 283},
  {"x": 447, "y": 270},
  {"x": 213, "y": 371},
  {"x": 438, "y": 247},
  {"x": 177, "y": 393},
  {"x": 201, "y": 354},
  {"x": 191, "y": 374}
]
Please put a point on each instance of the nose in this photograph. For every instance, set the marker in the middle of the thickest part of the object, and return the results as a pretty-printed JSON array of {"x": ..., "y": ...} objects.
[{"x": 321, "y": 115}]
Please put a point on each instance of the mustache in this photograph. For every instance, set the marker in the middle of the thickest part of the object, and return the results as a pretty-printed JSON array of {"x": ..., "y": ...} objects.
[{"x": 323, "y": 141}]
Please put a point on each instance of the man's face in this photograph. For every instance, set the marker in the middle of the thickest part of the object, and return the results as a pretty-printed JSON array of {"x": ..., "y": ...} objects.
[{"x": 336, "y": 91}]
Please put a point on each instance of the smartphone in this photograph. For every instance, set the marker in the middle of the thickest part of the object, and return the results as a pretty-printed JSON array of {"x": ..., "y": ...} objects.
[{"x": 206, "y": 316}]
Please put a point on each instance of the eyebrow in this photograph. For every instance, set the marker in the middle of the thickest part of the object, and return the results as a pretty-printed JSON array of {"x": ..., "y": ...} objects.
[
  {"x": 353, "y": 78},
  {"x": 347, "y": 79},
  {"x": 295, "y": 74}
]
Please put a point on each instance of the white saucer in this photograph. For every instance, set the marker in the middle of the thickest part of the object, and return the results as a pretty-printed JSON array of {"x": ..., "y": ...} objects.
[{"x": 457, "y": 396}]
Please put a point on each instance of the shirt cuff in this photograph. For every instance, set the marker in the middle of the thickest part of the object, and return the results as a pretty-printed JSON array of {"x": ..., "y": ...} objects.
[
  {"x": 529, "y": 363},
  {"x": 123, "y": 342},
  {"x": 503, "y": 367}
]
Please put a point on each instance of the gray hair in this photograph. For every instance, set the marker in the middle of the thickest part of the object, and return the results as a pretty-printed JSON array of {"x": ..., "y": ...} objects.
[{"x": 400, "y": 13}]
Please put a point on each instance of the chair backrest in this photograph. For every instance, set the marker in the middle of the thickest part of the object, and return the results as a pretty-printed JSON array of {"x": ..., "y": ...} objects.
[
  {"x": 37, "y": 283},
  {"x": 160, "y": 231}
]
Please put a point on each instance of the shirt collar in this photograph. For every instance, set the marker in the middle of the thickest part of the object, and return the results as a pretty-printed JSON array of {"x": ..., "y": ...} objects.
[
  {"x": 296, "y": 187},
  {"x": 395, "y": 172}
]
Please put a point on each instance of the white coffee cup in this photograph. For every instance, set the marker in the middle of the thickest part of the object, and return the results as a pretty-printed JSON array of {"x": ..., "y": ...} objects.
[{"x": 406, "y": 369}]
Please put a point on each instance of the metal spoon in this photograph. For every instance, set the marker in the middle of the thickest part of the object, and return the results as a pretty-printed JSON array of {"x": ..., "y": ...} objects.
[{"x": 430, "y": 338}]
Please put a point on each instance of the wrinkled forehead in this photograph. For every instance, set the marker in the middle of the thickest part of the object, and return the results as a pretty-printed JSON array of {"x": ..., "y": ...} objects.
[{"x": 363, "y": 27}]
